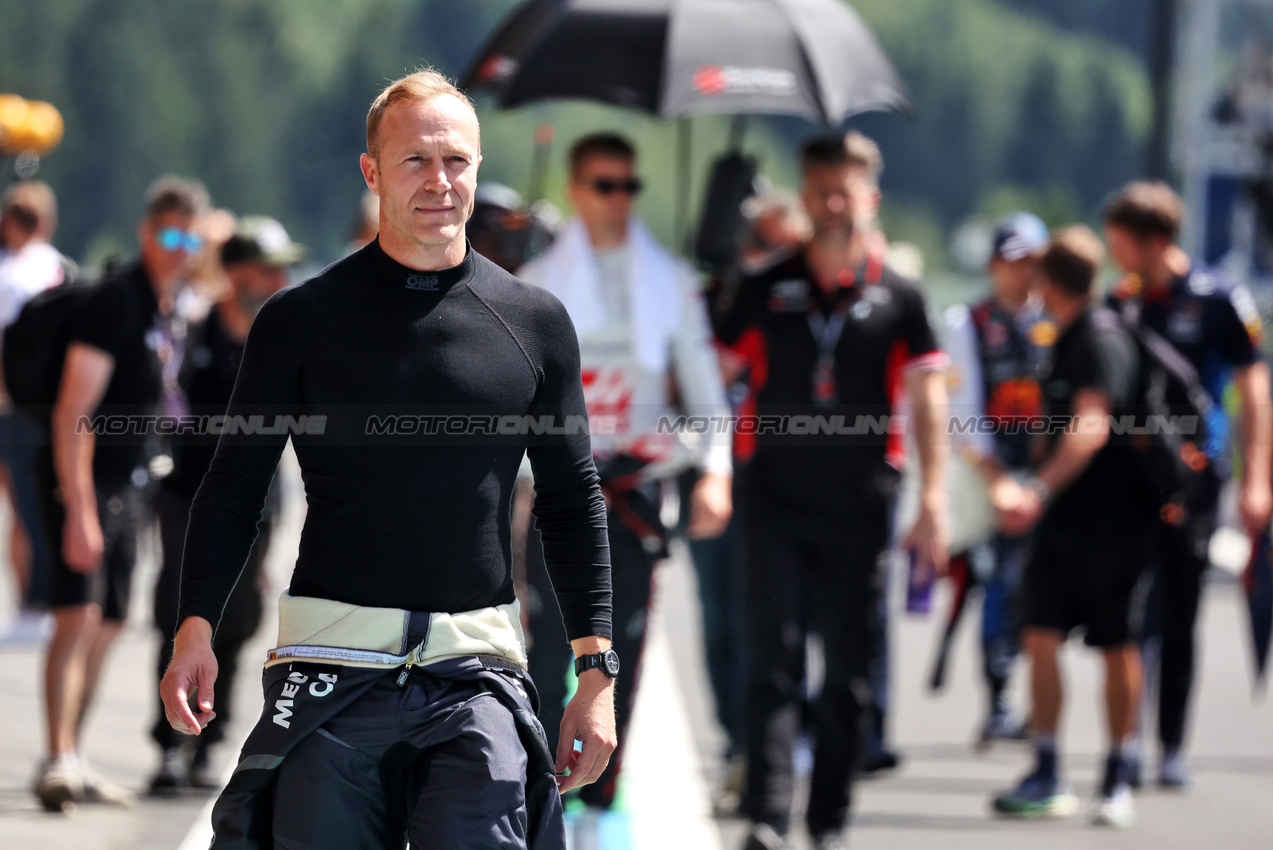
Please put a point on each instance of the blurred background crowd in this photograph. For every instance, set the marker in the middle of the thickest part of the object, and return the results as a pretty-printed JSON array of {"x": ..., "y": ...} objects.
[{"x": 982, "y": 109}]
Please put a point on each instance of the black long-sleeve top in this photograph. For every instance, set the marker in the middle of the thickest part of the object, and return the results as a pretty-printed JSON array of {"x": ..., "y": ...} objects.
[{"x": 410, "y": 398}]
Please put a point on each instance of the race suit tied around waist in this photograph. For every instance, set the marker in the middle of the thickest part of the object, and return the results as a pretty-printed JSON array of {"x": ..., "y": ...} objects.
[
  {"x": 312, "y": 629},
  {"x": 331, "y": 655}
]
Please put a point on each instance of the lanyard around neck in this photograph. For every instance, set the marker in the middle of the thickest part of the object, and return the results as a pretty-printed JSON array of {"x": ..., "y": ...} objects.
[{"x": 827, "y": 331}]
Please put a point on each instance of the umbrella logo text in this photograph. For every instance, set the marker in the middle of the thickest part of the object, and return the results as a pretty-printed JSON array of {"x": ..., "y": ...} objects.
[
  {"x": 497, "y": 69},
  {"x": 713, "y": 80}
]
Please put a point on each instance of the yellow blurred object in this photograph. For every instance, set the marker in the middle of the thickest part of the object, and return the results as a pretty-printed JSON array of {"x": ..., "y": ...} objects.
[{"x": 28, "y": 125}]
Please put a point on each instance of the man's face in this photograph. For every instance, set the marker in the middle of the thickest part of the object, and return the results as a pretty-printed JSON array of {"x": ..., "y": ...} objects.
[
  {"x": 426, "y": 172},
  {"x": 602, "y": 191},
  {"x": 168, "y": 246},
  {"x": 252, "y": 282},
  {"x": 839, "y": 199},
  {"x": 1134, "y": 254},
  {"x": 1013, "y": 279}
]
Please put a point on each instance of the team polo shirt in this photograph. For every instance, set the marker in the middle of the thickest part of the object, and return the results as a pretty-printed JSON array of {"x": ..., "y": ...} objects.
[
  {"x": 1095, "y": 353},
  {"x": 1210, "y": 320},
  {"x": 120, "y": 318},
  {"x": 821, "y": 405}
]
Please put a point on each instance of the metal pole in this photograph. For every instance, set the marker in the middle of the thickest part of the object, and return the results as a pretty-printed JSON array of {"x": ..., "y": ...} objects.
[
  {"x": 684, "y": 171},
  {"x": 1162, "y": 59}
]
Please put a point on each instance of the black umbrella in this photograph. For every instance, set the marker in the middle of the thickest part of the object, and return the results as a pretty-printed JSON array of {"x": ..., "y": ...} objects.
[{"x": 812, "y": 58}]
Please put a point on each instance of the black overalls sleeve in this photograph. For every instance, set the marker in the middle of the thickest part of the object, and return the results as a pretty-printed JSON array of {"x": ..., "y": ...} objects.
[
  {"x": 569, "y": 508},
  {"x": 229, "y": 502}
]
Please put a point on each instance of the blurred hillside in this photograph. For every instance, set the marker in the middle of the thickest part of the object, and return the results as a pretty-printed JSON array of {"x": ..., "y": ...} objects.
[{"x": 1021, "y": 103}]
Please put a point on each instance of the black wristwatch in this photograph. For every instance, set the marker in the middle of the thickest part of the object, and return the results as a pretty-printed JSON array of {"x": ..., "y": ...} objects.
[{"x": 607, "y": 662}]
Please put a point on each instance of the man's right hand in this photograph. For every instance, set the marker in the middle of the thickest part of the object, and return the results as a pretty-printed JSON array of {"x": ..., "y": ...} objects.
[
  {"x": 82, "y": 543},
  {"x": 193, "y": 670}
]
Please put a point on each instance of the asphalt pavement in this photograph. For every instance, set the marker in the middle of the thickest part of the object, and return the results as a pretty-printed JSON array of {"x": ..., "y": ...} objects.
[{"x": 939, "y": 796}]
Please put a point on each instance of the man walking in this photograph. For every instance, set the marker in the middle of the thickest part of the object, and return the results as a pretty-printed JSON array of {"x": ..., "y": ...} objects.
[
  {"x": 28, "y": 266},
  {"x": 640, "y": 317},
  {"x": 842, "y": 336},
  {"x": 255, "y": 260},
  {"x": 89, "y": 497},
  {"x": 397, "y": 702},
  {"x": 1213, "y": 322},
  {"x": 1093, "y": 514},
  {"x": 998, "y": 349}
]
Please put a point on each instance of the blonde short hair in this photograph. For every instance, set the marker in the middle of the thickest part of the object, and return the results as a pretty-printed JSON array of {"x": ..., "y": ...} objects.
[{"x": 421, "y": 86}]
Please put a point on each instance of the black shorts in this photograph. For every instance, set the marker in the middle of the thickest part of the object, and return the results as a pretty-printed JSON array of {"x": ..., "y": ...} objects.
[
  {"x": 110, "y": 586},
  {"x": 1085, "y": 578}
]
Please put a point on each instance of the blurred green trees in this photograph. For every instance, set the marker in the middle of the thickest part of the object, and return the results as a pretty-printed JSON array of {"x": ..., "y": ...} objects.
[
  {"x": 265, "y": 99},
  {"x": 1011, "y": 108}
]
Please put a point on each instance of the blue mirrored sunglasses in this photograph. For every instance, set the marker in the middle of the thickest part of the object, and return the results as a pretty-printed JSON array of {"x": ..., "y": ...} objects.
[{"x": 176, "y": 239}]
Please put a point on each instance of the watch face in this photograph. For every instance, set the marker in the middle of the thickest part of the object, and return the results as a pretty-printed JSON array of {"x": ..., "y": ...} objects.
[{"x": 610, "y": 659}]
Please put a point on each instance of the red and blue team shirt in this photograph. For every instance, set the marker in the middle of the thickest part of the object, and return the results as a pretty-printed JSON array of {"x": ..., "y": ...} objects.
[
  {"x": 840, "y": 396},
  {"x": 1013, "y": 351},
  {"x": 1209, "y": 319}
]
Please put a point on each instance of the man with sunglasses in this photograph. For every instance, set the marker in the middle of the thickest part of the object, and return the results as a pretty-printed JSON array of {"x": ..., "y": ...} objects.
[
  {"x": 89, "y": 482},
  {"x": 255, "y": 260},
  {"x": 640, "y": 317}
]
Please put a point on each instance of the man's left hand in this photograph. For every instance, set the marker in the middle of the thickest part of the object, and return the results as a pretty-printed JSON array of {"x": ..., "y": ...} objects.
[
  {"x": 710, "y": 506},
  {"x": 589, "y": 718},
  {"x": 1255, "y": 505}
]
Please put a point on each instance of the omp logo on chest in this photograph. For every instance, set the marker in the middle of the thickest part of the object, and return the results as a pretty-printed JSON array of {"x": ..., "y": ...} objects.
[
  {"x": 320, "y": 687},
  {"x": 424, "y": 283}
]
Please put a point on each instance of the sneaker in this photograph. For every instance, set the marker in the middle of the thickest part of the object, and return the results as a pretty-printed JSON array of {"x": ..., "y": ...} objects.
[
  {"x": 764, "y": 837},
  {"x": 1173, "y": 773},
  {"x": 59, "y": 785},
  {"x": 1001, "y": 726},
  {"x": 99, "y": 789},
  {"x": 1038, "y": 796},
  {"x": 1114, "y": 809},
  {"x": 170, "y": 778},
  {"x": 879, "y": 761},
  {"x": 831, "y": 841}
]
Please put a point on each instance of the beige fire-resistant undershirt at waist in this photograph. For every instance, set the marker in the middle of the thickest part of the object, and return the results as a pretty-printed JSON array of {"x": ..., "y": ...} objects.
[{"x": 312, "y": 629}]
